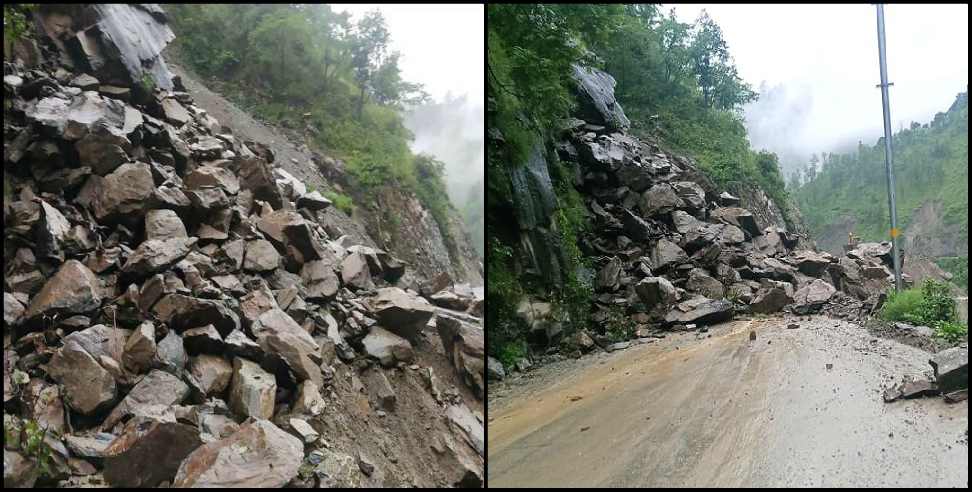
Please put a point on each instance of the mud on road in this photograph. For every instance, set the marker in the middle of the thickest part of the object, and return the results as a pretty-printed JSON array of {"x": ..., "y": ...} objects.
[{"x": 725, "y": 411}]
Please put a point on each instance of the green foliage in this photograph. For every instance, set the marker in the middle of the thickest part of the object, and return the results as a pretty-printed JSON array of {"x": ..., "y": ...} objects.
[
  {"x": 958, "y": 266},
  {"x": 619, "y": 327},
  {"x": 15, "y": 21},
  {"x": 931, "y": 164},
  {"x": 504, "y": 292},
  {"x": 342, "y": 202},
  {"x": 28, "y": 437},
  {"x": 512, "y": 351},
  {"x": 951, "y": 331},
  {"x": 931, "y": 305}
]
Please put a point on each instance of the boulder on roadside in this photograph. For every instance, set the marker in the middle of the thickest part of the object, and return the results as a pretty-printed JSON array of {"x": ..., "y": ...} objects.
[{"x": 951, "y": 368}]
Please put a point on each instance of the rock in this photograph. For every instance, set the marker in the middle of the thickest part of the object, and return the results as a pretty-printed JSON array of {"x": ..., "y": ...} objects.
[
  {"x": 770, "y": 300},
  {"x": 304, "y": 430},
  {"x": 174, "y": 112},
  {"x": 365, "y": 465},
  {"x": 213, "y": 176},
  {"x": 700, "y": 310},
  {"x": 88, "y": 388},
  {"x": 465, "y": 345},
  {"x": 208, "y": 200},
  {"x": 685, "y": 223},
  {"x": 259, "y": 454},
  {"x": 728, "y": 200},
  {"x": 288, "y": 347},
  {"x": 880, "y": 251},
  {"x": 210, "y": 373},
  {"x": 918, "y": 388},
  {"x": 237, "y": 343},
  {"x": 439, "y": 282},
  {"x": 595, "y": 90},
  {"x": 691, "y": 194},
  {"x": 85, "y": 82},
  {"x": 170, "y": 355},
  {"x": 89, "y": 446},
  {"x": 494, "y": 369},
  {"x": 140, "y": 348},
  {"x": 738, "y": 217},
  {"x": 182, "y": 312},
  {"x": 125, "y": 191},
  {"x": 74, "y": 289},
  {"x": 320, "y": 281},
  {"x": 467, "y": 426},
  {"x": 202, "y": 340},
  {"x": 387, "y": 347},
  {"x": 103, "y": 150},
  {"x": 660, "y": 200},
  {"x": 812, "y": 263},
  {"x": 164, "y": 224},
  {"x": 813, "y": 295},
  {"x": 700, "y": 282},
  {"x": 381, "y": 389},
  {"x": 665, "y": 254},
  {"x": 51, "y": 231},
  {"x": 13, "y": 310},
  {"x": 634, "y": 226},
  {"x": 313, "y": 201},
  {"x": 617, "y": 346},
  {"x": 957, "y": 396},
  {"x": 18, "y": 470},
  {"x": 951, "y": 368},
  {"x": 355, "y": 271},
  {"x": 261, "y": 256},
  {"x": 252, "y": 390},
  {"x": 793, "y": 326},
  {"x": 655, "y": 291},
  {"x": 156, "y": 388},
  {"x": 156, "y": 255},
  {"x": 609, "y": 276},
  {"x": 309, "y": 401},
  {"x": 148, "y": 452},
  {"x": 337, "y": 470},
  {"x": 400, "y": 312}
]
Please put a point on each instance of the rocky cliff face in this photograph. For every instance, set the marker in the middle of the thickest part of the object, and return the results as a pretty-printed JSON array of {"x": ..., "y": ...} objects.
[
  {"x": 180, "y": 312},
  {"x": 671, "y": 250}
]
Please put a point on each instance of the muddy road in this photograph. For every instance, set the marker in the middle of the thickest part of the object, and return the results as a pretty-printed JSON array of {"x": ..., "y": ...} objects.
[{"x": 726, "y": 411}]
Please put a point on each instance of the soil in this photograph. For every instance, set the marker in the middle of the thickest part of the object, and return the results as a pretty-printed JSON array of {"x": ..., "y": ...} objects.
[{"x": 717, "y": 409}]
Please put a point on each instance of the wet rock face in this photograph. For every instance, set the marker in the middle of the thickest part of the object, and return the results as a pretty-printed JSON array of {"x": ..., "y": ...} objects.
[{"x": 596, "y": 95}]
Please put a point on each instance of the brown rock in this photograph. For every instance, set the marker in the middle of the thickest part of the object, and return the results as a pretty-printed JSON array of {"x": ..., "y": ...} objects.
[
  {"x": 72, "y": 290},
  {"x": 148, "y": 452}
]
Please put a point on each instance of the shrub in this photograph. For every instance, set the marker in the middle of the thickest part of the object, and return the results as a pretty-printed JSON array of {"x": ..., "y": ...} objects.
[
  {"x": 512, "y": 351},
  {"x": 342, "y": 202},
  {"x": 900, "y": 304},
  {"x": 950, "y": 331},
  {"x": 931, "y": 305}
]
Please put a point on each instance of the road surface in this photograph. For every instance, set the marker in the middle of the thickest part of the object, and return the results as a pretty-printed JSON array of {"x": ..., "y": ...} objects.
[{"x": 724, "y": 411}]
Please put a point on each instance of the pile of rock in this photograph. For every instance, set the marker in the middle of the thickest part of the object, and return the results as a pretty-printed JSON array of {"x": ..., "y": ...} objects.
[
  {"x": 672, "y": 250},
  {"x": 175, "y": 307},
  {"x": 950, "y": 378}
]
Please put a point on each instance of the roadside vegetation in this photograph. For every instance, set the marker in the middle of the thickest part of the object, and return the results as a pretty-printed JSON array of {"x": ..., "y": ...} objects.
[{"x": 930, "y": 305}]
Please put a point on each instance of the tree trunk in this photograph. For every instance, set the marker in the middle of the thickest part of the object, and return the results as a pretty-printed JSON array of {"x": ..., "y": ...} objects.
[{"x": 361, "y": 101}]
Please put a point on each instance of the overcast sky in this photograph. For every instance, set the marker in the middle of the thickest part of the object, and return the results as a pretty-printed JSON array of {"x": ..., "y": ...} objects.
[
  {"x": 818, "y": 66},
  {"x": 442, "y": 47}
]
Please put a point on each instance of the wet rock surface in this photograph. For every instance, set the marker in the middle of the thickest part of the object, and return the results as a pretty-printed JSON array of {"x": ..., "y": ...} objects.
[{"x": 175, "y": 306}]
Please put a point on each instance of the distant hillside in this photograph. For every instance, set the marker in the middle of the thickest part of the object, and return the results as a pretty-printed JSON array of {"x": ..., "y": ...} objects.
[{"x": 848, "y": 192}]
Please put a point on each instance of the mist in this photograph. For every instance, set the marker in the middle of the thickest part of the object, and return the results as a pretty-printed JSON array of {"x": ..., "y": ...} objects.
[
  {"x": 452, "y": 130},
  {"x": 816, "y": 69}
]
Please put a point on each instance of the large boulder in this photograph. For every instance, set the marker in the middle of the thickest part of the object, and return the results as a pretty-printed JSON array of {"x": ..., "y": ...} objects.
[
  {"x": 289, "y": 348},
  {"x": 700, "y": 310},
  {"x": 701, "y": 282},
  {"x": 951, "y": 368},
  {"x": 74, "y": 289},
  {"x": 595, "y": 89},
  {"x": 770, "y": 299},
  {"x": 609, "y": 276},
  {"x": 124, "y": 191},
  {"x": 666, "y": 254},
  {"x": 738, "y": 217},
  {"x": 148, "y": 452},
  {"x": 261, "y": 256},
  {"x": 465, "y": 345},
  {"x": 182, "y": 312},
  {"x": 259, "y": 454},
  {"x": 400, "y": 312},
  {"x": 88, "y": 388},
  {"x": 156, "y": 255},
  {"x": 659, "y": 200},
  {"x": 655, "y": 291},
  {"x": 156, "y": 388},
  {"x": 387, "y": 347},
  {"x": 164, "y": 224},
  {"x": 812, "y": 296},
  {"x": 252, "y": 390}
]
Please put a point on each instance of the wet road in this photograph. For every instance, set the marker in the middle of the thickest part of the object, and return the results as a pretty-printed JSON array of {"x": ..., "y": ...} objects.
[{"x": 724, "y": 411}]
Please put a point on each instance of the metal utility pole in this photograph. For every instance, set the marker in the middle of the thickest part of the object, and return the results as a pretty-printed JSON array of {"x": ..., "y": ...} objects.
[{"x": 887, "y": 147}]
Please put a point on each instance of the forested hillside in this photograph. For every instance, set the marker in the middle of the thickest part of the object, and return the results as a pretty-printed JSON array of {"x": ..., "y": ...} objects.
[
  {"x": 841, "y": 193},
  {"x": 676, "y": 81},
  {"x": 309, "y": 68}
]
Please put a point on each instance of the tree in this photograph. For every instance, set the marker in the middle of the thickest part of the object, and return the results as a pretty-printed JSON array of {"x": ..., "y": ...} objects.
[{"x": 369, "y": 47}]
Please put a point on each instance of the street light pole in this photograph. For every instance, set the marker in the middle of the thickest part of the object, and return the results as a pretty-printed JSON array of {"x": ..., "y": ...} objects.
[{"x": 887, "y": 147}]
